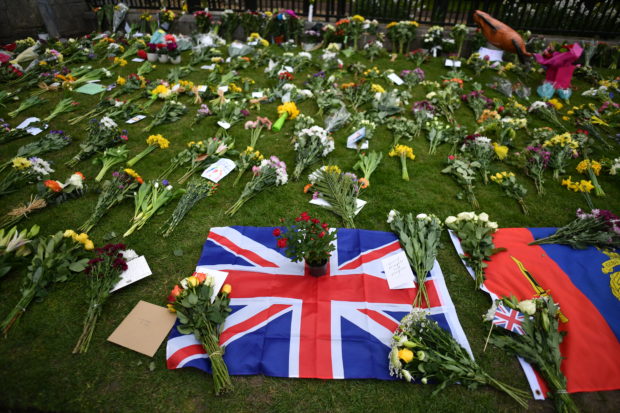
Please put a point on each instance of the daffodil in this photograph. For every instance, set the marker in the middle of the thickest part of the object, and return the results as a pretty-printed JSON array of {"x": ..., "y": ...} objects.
[{"x": 403, "y": 152}]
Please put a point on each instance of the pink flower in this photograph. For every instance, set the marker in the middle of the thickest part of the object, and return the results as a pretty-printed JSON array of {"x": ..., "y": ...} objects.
[
  {"x": 451, "y": 157},
  {"x": 251, "y": 124}
]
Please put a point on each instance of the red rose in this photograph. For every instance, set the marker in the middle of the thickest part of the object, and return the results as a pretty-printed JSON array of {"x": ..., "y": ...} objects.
[
  {"x": 142, "y": 54},
  {"x": 315, "y": 221},
  {"x": 201, "y": 277},
  {"x": 282, "y": 242},
  {"x": 324, "y": 225},
  {"x": 276, "y": 232},
  {"x": 451, "y": 157},
  {"x": 321, "y": 234},
  {"x": 174, "y": 293}
]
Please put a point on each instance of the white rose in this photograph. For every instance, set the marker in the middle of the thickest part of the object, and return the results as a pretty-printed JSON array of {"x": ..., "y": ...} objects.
[
  {"x": 169, "y": 188},
  {"x": 156, "y": 184},
  {"x": 421, "y": 216},
  {"x": 391, "y": 216},
  {"x": 431, "y": 95},
  {"x": 76, "y": 181},
  {"x": 492, "y": 225},
  {"x": 527, "y": 307},
  {"x": 484, "y": 217},
  {"x": 450, "y": 220}
]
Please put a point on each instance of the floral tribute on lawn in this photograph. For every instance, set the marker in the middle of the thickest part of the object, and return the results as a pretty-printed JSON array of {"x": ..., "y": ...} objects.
[
  {"x": 201, "y": 311},
  {"x": 353, "y": 93},
  {"x": 422, "y": 350}
]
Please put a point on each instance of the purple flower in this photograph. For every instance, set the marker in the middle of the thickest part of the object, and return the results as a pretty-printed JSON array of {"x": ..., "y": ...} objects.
[
  {"x": 165, "y": 182},
  {"x": 245, "y": 112},
  {"x": 420, "y": 73}
]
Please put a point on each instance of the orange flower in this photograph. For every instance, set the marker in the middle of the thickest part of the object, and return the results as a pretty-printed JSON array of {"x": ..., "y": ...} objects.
[
  {"x": 139, "y": 179},
  {"x": 53, "y": 185},
  {"x": 201, "y": 277},
  {"x": 80, "y": 174},
  {"x": 364, "y": 183},
  {"x": 174, "y": 293},
  {"x": 307, "y": 188},
  {"x": 247, "y": 59}
]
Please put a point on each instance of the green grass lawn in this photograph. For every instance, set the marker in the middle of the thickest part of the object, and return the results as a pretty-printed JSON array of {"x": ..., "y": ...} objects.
[{"x": 38, "y": 371}]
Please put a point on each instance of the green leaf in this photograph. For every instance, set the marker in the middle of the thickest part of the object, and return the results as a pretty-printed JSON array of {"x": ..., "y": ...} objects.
[
  {"x": 110, "y": 235},
  {"x": 183, "y": 329},
  {"x": 178, "y": 252},
  {"x": 192, "y": 299},
  {"x": 152, "y": 366}
]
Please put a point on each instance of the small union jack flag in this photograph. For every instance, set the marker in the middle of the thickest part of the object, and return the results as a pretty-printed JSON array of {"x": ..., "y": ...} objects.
[{"x": 509, "y": 319}]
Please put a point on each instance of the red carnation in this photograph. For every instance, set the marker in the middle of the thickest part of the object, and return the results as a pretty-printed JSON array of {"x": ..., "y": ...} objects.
[
  {"x": 282, "y": 242},
  {"x": 276, "y": 232},
  {"x": 141, "y": 54}
]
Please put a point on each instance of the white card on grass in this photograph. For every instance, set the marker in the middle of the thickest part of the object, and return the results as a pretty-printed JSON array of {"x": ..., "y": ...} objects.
[
  {"x": 257, "y": 95},
  {"x": 223, "y": 124},
  {"x": 288, "y": 69},
  {"x": 494, "y": 55},
  {"x": 321, "y": 202},
  {"x": 395, "y": 78},
  {"x": 32, "y": 130},
  {"x": 452, "y": 63},
  {"x": 223, "y": 88},
  {"x": 355, "y": 137},
  {"x": 135, "y": 119},
  {"x": 137, "y": 269},
  {"x": 397, "y": 271},
  {"x": 137, "y": 59},
  {"x": 218, "y": 170},
  {"x": 202, "y": 88}
]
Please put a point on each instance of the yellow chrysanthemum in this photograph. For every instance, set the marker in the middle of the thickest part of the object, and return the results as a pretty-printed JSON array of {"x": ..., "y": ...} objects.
[
  {"x": 121, "y": 81},
  {"x": 332, "y": 169},
  {"x": 234, "y": 88},
  {"x": 377, "y": 88},
  {"x": 21, "y": 163},
  {"x": 402, "y": 150},
  {"x": 290, "y": 108},
  {"x": 500, "y": 150},
  {"x": 158, "y": 140},
  {"x": 357, "y": 18},
  {"x": 132, "y": 173},
  {"x": 556, "y": 103}
]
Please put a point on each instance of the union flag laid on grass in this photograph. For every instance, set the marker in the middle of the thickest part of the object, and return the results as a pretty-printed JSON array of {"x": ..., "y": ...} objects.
[
  {"x": 286, "y": 323},
  {"x": 586, "y": 286}
]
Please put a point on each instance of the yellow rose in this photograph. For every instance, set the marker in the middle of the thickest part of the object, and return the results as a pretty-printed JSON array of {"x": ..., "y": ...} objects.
[
  {"x": 226, "y": 289},
  {"x": 89, "y": 245},
  {"x": 69, "y": 233},
  {"x": 171, "y": 308},
  {"x": 405, "y": 355},
  {"x": 192, "y": 281}
]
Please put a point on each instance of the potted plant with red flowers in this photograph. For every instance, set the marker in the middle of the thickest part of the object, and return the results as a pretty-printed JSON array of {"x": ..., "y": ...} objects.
[
  {"x": 173, "y": 52},
  {"x": 151, "y": 53},
  {"x": 308, "y": 239},
  {"x": 162, "y": 52}
]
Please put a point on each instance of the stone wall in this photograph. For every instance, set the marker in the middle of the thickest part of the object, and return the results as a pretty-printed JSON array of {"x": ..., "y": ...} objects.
[{"x": 22, "y": 18}]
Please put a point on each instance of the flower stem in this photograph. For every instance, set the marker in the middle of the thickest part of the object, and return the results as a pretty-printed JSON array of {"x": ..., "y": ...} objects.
[{"x": 141, "y": 155}]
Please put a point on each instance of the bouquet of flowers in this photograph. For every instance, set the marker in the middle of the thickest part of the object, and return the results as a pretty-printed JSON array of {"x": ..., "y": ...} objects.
[
  {"x": 437, "y": 132},
  {"x": 583, "y": 186},
  {"x": 102, "y": 272},
  {"x": 8, "y": 134},
  {"x": 249, "y": 157},
  {"x": 599, "y": 228},
  {"x": 412, "y": 78},
  {"x": 562, "y": 148},
  {"x": 129, "y": 84},
  {"x": 367, "y": 163},
  {"x": 459, "y": 32},
  {"x": 55, "y": 259},
  {"x": 403, "y": 152},
  {"x": 109, "y": 158},
  {"x": 422, "y": 349},
  {"x": 149, "y": 198},
  {"x": 540, "y": 345},
  {"x": 418, "y": 56},
  {"x": 433, "y": 39},
  {"x": 27, "y": 104},
  {"x": 204, "y": 20},
  {"x": 477, "y": 101},
  {"x": 311, "y": 144},
  {"x": 475, "y": 233},
  {"x": 593, "y": 169},
  {"x": 256, "y": 128},
  {"x": 400, "y": 34},
  {"x": 479, "y": 149},
  {"x": 464, "y": 172},
  {"x": 64, "y": 106},
  {"x": 197, "y": 189},
  {"x": 537, "y": 161},
  {"x": 14, "y": 247},
  {"x": 166, "y": 17},
  {"x": 24, "y": 171},
  {"x": 153, "y": 142},
  {"x": 548, "y": 111},
  {"x": 286, "y": 111},
  {"x": 402, "y": 128},
  {"x": 49, "y": 192},
  {"x": 511, "y": 187},
  {"x": 419, "y": 237},
  {"x": 102, "y": 134},
  {"x": 340, "y": 190},
  {"x": 171, "y": 111},
  {"x": 270, "y": 172},
  {"x": 446, "y": 99},
  {"x": 374, "y": 49},
  {"x": 202, "y": 112},
  {"x": 202, "y": 311},
  {"x": 122, "y": 185},
  {"x": 306, "y": 239},
  {"x": 53, "y": 141},
  {"x": 202, "y": 153}
]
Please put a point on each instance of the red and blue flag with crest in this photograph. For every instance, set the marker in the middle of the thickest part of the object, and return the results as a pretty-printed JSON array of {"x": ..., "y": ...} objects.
[{"x": 286, "y": 323}]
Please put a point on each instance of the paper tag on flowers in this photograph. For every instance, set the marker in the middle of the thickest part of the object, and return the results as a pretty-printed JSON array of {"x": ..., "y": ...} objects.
[
  {"x": 218, "y": 279},
  {"x": 452, "y": 63},
  {"x": 137, "y": 269},
  {"x": 135, "y": 119},
  {"x": 223, "y": 89},
  {"x": 395, "y": 78},
  {"x": 218, "y": 170},
  {"x": 33, "y": 130},
  {"x": 223, "y": 124},
  {"x": 257, "y": 95},
  {"x": 137, "y": 59},
  {"x": 355, "y": 137},
  {"x": 202, "y": 88},
  {"x": 321, "y": 202},
  {"x": 398, "y": 272}
]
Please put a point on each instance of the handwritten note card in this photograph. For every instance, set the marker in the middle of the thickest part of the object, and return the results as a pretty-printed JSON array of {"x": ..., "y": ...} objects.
[{"x": 398, "y": 272}]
